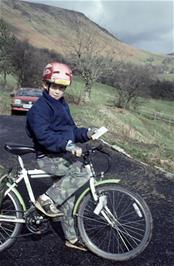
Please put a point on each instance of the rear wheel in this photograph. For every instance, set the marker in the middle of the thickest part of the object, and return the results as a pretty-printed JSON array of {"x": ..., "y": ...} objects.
[
  {"x": 9, "y": 230},
  {"x": 127, "y": 230}
]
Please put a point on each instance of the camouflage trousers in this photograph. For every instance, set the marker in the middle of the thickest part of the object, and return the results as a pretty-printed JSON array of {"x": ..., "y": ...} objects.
[{"x": 73, "y": 176}]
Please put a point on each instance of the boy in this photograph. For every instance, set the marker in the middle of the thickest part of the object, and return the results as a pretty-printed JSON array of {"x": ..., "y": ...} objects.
[{"x": 53, "y": 131}]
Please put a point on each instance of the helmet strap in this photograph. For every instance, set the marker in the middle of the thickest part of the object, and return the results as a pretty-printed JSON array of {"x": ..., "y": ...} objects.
[{"x": 49, "y": 85}]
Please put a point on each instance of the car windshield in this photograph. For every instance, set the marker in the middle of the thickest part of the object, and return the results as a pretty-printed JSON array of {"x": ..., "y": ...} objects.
[{"x": 30, "y": 92}]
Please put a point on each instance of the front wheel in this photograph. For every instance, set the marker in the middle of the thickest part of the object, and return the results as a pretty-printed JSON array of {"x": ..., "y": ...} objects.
[
  {"x": 123, "y": 227},
  {"x": 9, "y": 230}
]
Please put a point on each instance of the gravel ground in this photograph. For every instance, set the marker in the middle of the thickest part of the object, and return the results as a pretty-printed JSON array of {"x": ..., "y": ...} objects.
[{"x": 156, "y": 188}]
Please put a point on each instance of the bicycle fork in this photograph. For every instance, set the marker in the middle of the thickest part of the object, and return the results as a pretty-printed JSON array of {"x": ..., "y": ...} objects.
[
  {"x": 102, "y": 199},
  {"x": 105, "y": 211}
]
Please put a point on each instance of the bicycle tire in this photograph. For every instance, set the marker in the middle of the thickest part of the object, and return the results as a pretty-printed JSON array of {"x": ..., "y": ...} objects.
[
  {"x": 119, "y": 243},
  {"x": 9, "y": 231}
]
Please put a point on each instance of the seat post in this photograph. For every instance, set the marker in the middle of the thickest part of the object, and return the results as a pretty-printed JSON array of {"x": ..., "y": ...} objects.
[{"x": 21, "y": 162}]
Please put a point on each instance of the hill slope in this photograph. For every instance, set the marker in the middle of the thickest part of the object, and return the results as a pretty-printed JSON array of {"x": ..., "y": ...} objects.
[{"x": 56, "y": 28}]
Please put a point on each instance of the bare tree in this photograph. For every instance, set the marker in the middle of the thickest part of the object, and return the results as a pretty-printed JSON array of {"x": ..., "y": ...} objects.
[
  {"x": 7, "y": 41},
  {"x": 88, "y": 60},
  {"x": 28, "y": 63},
  {"x": 131, "y": 82}
]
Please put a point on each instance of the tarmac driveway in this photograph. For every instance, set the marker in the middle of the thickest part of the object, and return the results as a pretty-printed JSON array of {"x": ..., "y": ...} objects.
[{"x": 156, "y": 188}]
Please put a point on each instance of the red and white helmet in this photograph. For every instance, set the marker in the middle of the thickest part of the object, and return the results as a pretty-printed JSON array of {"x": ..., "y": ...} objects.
[{"x": 57, "y": 73}]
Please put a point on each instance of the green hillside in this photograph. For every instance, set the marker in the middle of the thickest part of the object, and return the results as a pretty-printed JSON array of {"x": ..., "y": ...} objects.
[
  {"x": 56, "y": 29},
  {"x": 150, "y": 140}
]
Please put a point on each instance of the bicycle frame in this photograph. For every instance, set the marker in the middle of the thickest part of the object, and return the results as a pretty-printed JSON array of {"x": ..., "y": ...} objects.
[{"x": 25, "y": 175}]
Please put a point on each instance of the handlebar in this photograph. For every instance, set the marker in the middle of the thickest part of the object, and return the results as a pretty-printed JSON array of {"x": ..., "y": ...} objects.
[
  {"x": 87, "y": 156},
  {"x": 91, "y": 150}
]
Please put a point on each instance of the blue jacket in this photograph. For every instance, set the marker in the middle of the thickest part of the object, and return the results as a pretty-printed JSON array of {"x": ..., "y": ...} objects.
[{"x": 51, "y": 126}]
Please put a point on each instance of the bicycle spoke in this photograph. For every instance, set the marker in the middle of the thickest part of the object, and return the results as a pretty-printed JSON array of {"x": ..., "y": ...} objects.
[
  {"x": 119, "y": 202},
  {"x": 110, "y": 240},
  {"x": 126, "y": 233},
  {"x": 119, "y": 241},
  {"x": 93, "y": 228},
  {"x": 6, "y": 228},
  {"x": 118, "y": 237},
  {"x": 122, "y": 239},
  {"x": 125, "y": 210},
  {"x": 93, "y": 219},
  {"x": 95, "y": 233},
  {"x": 2, "y": 236},
  {"x": 134, "y": 233},
  {"x": 132, "y": 212},
  {"x": 104, "y": 242},
  {"x": 133, "y": 227},
  {"x": 5, "y": 232}
]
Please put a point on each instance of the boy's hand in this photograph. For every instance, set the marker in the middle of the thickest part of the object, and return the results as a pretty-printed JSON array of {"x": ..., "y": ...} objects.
[
  {"x": 91, "y": 132},
  {"x": 74, "y": 149},
  {"x": 77, "y": 151}
]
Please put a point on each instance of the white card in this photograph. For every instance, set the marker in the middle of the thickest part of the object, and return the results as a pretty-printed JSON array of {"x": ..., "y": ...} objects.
[{"x": 99, "y": 132}]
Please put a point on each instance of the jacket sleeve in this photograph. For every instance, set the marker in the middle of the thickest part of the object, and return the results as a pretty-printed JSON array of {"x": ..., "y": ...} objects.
[
  {"x": 39, "y": 126},
  {"x": 80, "y": 134}
]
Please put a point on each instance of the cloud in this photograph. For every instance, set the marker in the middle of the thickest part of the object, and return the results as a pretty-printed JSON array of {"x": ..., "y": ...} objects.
[
  {"x": 145, "y": 24},
  {"x": 95, "y": 9}
]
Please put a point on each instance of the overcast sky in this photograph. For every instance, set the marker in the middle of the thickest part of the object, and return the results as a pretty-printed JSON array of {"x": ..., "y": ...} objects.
[{"x": 144, "y": 24}]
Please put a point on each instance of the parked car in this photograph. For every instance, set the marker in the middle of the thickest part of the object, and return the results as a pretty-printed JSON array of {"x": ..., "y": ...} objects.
[{"x": 24, "y": 98}]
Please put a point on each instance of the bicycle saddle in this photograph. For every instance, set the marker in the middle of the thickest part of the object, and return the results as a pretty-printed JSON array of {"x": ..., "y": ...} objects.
[{"x": 18, "y": 149}]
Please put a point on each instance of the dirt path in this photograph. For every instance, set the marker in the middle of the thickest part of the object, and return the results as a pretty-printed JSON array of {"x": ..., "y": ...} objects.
[{"x": 157, "y": 189}]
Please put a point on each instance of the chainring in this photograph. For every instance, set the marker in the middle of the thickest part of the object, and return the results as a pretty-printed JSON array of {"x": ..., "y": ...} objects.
[{"x": 35, "y": 221}]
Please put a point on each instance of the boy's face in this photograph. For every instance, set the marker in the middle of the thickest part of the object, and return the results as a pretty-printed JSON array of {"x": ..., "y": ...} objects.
[{"x": 56, "y": 91}]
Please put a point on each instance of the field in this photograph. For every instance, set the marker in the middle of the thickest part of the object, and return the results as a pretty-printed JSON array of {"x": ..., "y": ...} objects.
[
  {"x": 149, "y": 139},
  {"x": 146, "y": 138}
]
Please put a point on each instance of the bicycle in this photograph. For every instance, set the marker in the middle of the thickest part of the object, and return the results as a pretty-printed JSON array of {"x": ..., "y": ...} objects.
[{"x": 113, "y": 222}]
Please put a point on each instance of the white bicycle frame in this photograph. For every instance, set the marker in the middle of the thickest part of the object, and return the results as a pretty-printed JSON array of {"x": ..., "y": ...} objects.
[
  {"x": 37, "y": 173},
  {"x": 26, "y": 174}
]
